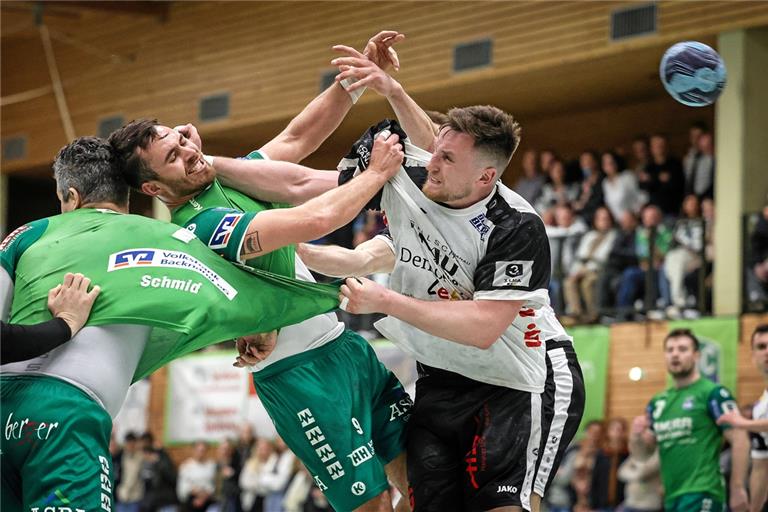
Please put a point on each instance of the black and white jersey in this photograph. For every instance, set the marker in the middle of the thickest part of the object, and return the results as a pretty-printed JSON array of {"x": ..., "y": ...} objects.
[
  {"x": 760, "y": 439},
  {"x": 496, "y": 249}
]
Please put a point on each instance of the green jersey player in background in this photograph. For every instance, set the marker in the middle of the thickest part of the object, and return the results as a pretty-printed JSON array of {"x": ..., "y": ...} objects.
[
  {"x": 683, "y": 419},
  {"x": 157, "y": 281}
]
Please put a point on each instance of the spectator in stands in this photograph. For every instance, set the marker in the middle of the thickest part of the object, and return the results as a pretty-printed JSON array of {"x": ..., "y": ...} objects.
[
  {"x": 252, "y": 490},
  {"x": 583, "y": 464},
  {"x": 130, "y": 492},
  {"x": 564, "y": 239},
  {"x": 227, "y": 476},
  {"x": 633, "y": 279},
  {"x": 757, "y": 281},
  {"x": 685, "y": 254},
  {"x": 299, "y": 488},
  {"x": 277, "y": 477},
  {"x": 590, "y": 196},
  {"x": 560, "y": 496},
  {"x": 620, "y": 189},
  {"x": 691, "y": 158},
  {"x": 245, "y": 441},
  {"x": 556, "y": 191},
  {"x": 159, "y": 476},
  {"x": 529, "y": 185},
  {"x": 692, "y": 280},
  {"x": 641, "y": 474},
  {"x": 606, "y": 490},
  {"x": 591, "y": 256},
  {"x": 195, "y": 485},
  {"x": 367, "y": 225},
  {"x": 546, "y": 158},
  {"x": 700, "y": 178},
  {"x": 622, "y": 256},
  {"x": 641, "y": 155},
  {"x": 665, "y": 181}
]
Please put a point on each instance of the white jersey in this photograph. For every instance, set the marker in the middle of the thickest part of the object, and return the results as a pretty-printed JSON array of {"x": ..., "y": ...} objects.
[
  {"x": 307, "y": 335},
  {"x": 496, "y": 249},
  {"x": 760, "y": 439}
]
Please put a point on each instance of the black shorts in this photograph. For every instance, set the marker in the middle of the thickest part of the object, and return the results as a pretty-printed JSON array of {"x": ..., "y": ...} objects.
[
  {"x": 471, "y": 446},
  {"x": 562, "y": 409}
]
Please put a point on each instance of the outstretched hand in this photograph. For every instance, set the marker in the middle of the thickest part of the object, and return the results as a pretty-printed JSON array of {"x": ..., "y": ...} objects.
[{"x": 379, "y": 49}]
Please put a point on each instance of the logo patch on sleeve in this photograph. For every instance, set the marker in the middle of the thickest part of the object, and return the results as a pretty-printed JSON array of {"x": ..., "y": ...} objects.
[
  {"x": 223, "y": 231},
  {"x": 513, "y": 273}
]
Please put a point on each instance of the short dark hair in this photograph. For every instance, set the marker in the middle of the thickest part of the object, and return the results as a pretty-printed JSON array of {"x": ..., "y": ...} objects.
[
  {"x": 760, "y": 329},
  {"x": 88, "y": 165},
  {"x": 495, "y": 132},
  {"x": 436, "y": 117},
  {"x": 701, "y": 125},
  {"x": 125, "y": 141},
  {"x": 131, "y": 436},
  {"x": 679, "y": 333}
]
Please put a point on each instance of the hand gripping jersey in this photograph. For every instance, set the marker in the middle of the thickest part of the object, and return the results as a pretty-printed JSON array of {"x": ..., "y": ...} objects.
[
  {"x": 219, "y": 216},
  {"x": 760, "y": 439},
  {"x": 154, "y": 274},
  {"x": 689, "y": 439},
  {"x": 496, "y": 249}
]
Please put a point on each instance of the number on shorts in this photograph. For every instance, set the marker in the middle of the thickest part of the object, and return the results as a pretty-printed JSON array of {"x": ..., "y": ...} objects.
[{"x": 357, "y": 426}]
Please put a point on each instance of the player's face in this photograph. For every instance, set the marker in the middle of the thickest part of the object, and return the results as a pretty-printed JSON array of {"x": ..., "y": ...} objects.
[
  {"x": 680, "y": 356},
  {"x": 178, "y": 163},
  {"x": 453, "y": 171},
  {"x": 760, "y": 353}
]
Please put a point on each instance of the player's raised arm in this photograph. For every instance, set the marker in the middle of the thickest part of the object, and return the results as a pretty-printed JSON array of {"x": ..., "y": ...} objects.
[
  {"x": 416, "y": 123},
  {"x": 274, "y": 181},
  {"x": 272, "y": 229},
  {"x": 324, "y": 114},
  {"x": 370, "y": 257}
]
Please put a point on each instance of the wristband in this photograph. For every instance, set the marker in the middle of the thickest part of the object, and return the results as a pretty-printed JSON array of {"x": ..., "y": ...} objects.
[
  {"x": 355, "y": 95},
  {"x": 209, "y": 159}
]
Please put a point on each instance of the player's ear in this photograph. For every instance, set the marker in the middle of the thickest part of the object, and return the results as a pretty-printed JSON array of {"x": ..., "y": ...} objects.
[
  {"x": 488, "y": 176},
  {"x": 151, "y": 188},
  {"x": 73, "y": 199}
]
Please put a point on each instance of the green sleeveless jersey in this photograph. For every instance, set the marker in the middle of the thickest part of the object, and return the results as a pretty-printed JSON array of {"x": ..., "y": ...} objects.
[
  {"x": 219, "y": 216},
  {"x": 689, "y": 439},
  {"x": 156, "y": 274}
]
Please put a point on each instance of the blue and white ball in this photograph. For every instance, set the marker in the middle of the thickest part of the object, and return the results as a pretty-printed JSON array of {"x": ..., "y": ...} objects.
[{"x": 693, "y": 73}]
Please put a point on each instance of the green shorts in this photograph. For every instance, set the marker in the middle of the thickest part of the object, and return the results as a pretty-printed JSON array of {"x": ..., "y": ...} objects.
[
  {"x": 342, "y": 413},
  {"x": 55, "y": 447},
  {"x": 694, "y": 502}
]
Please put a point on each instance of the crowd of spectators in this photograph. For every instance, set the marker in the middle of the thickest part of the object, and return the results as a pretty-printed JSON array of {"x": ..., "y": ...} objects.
[
  {"x": 245, "y": 475},
  {"x": 630, "y": 231}
]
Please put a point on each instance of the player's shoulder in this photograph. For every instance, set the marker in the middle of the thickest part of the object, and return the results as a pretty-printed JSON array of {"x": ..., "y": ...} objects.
[
  {"x": 715, "y": 390},
  {"x": 509, "y": 211},
  {"x": 18, "y": 241}
]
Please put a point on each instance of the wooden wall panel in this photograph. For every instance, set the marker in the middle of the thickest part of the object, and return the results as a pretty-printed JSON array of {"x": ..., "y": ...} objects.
[{"x": 270, "y": 55}]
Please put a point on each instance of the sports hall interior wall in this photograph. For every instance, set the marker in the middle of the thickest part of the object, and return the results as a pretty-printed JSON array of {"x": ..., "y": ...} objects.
[
  {"x": 631, "y": 345},
  {"x": 550, "y": 59}
]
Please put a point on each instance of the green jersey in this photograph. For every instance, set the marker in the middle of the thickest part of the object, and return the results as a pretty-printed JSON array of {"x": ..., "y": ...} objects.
[
  {"x": 219, "y": 216},
  {"x": 154, "y": 274},
  {"x": 689, "y": 439}
]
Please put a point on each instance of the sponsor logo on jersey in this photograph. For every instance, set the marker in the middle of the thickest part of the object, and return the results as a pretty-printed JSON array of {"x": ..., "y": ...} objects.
[
  {"x": 13, "y": 236},
  {"x": 358, "y": 488},
  {"x": 315, "y": 436},
  {"x": 362, "y": 454},
  {"x": 133, "y": 258},
  {"x": 479, "y": 224},
  {"x": 223, "y": 231},
  {"x": 507, "y": 488},
  {"x": 106, "y": 485},
  {"x": 688, "y": 403},
  {"x": 513, "y": 273},
  {"x": 169, "y": 259}
]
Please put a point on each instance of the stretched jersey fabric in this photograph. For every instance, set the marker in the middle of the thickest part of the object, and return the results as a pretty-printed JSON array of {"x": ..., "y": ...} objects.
[
  {"x": 219, "y": 216},
  {"x": 496, "y": 249},
  {"x": 760, "y": 439},
  {"x": 154, "y": 274},
  {"x": 689, "y": 439}
]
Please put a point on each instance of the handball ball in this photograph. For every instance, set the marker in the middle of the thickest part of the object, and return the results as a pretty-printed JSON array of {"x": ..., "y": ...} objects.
[{"x": 693, "y": 73}]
